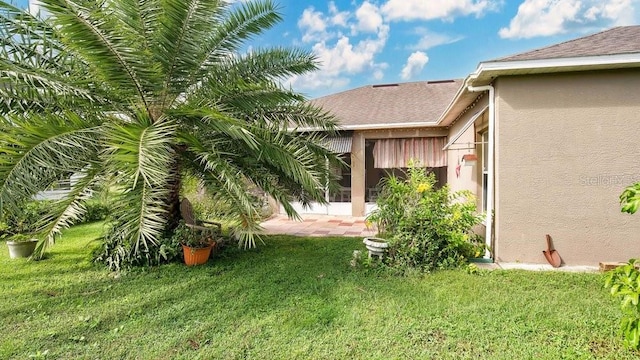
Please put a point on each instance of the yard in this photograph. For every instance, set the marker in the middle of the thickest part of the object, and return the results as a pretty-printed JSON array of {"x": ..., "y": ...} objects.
[{"x": 295, "y": 298}]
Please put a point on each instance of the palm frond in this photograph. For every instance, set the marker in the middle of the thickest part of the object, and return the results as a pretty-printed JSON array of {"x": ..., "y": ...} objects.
[
  {"x": 237, "y": 26},
  {"x": 198, "y": 119},
  {"x": 35, "y": 71},
  {"x": 285, "y": 165},
  {"x": 183, "y": 26},
  {"x": 142, "y": 156},
  {"x": 227, "y": 184},
  {"x": 68, "y": 210},
  {"x": 90, "y": 31},
  {"x": 267, "y": 64},
  {"x": 39, "y": 149}
]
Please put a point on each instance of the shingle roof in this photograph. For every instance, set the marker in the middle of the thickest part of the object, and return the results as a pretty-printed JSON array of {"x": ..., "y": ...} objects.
[
  {"x": 615, "y": 41},
  {"x": 413, "y": 102}
]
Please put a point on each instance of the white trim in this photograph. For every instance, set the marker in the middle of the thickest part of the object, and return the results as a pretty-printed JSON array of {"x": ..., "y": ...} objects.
[
  {"x": 490, "y": 167},
  {"x": 427, "y": 124},
  {"x": 499, "y": 68},
  {"x": 620, "y": 59},
  {"x": 465, "y": 127},
  {"x": 391, "y": 126}
]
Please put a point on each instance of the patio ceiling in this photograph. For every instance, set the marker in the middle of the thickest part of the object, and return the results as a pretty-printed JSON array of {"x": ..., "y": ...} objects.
[{"x": 338, "y": 144}]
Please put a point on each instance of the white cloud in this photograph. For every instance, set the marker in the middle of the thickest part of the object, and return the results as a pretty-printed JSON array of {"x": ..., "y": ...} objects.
[
  {"x": 344, "y": 58},
  {"x": 338, "y": 18},
  {"x": 316, "y": 80},
  {"x": 415, "y": 64},
  {"x": 369, "y": 18},
  {"x": 429, "y": 39},
  {"x": 313, "y": 25},
  {"x": 436, "y": 9},
  {"x": 552, "y": 17}
]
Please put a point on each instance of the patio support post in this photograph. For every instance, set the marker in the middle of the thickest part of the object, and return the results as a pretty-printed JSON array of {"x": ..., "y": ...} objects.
[
  {"x": 326, "y": 183},
  {"x": 358, "y": 174},
  {"x": 490, "y": 165}
]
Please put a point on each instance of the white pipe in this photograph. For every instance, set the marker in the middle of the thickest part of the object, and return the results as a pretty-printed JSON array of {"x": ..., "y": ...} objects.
[{"x": 490, "y": 165}]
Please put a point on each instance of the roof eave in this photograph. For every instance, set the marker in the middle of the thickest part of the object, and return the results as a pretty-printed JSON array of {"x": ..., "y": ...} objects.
[
  {"x": 487, "y": 72},
  {"x": 422, "y": 124}
]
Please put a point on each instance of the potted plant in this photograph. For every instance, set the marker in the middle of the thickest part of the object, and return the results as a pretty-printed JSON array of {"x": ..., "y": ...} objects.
[
  {"x": 376, "y": 246},
  {"x": 196, "y": 246},
  {"x": 21, "y": 246}
]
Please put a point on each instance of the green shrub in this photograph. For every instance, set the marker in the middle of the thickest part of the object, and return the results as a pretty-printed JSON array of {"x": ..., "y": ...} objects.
[
  {"x": 96, "y": 211},
  {"x": 624, "y": 284},
  {"x": 427, "y": 228},
  {"x": 25, "y": 221},
  {"x": 119, "y": 255}
]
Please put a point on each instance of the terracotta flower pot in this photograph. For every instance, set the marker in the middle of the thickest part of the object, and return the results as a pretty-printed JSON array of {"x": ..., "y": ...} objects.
[{"x": 196, "y": 256}]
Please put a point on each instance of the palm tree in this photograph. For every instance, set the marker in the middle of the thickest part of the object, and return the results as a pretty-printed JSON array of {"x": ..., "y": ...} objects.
[{"x": 143, "y": 93}]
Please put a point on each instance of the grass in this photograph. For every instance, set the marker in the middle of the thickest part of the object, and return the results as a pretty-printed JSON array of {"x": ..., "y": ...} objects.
[{"x": 295, "y": 298}]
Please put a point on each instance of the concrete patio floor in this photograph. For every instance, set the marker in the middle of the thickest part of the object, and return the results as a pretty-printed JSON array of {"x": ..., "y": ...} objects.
[{"x": 318, "y": 225}]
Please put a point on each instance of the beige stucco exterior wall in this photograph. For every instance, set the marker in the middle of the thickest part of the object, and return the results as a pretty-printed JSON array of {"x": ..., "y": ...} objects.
[
  {"x": 470, "y": 176},
  {"x": 566, "y": 147}
]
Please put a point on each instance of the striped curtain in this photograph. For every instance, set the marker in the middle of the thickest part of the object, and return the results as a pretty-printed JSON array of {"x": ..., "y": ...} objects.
[{"x": 396, "y": 153}]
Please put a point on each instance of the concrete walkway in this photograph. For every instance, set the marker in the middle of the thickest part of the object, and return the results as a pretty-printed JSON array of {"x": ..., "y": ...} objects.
[{"x": 318, "y": 225}]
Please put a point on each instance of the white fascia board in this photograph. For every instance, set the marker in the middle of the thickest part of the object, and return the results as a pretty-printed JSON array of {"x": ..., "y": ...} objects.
[
  {"x": 390, "y": 126},
  {"x": 504, "y": 67},
  {"x": 376, "y": 126},
  {"x": 586, "y": 61}
]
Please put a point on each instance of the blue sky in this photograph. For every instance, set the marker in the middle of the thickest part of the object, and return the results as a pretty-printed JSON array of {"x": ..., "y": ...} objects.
[{"x": 388, "y": 41}]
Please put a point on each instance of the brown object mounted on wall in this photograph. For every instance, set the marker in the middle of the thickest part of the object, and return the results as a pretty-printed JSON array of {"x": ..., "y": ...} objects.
[{"x": 552, "y": 256}]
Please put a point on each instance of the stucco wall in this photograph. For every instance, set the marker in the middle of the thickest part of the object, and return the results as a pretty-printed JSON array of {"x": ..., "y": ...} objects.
[
  {"x": 470, "y": 177},
  {"x": 567, "y": 145}
]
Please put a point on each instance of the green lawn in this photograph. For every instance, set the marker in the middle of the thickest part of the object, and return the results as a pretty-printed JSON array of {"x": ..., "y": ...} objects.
[{"x": 295, "y": 298}]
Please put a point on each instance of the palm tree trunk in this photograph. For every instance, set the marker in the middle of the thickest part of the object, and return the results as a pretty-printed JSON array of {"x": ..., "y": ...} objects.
[{"x": 175, "y": 185}]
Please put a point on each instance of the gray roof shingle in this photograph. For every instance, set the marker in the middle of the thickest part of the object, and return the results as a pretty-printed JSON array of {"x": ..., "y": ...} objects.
[
  {"x": 391, "y": 103},
  {"x": 615, "y": 41}
]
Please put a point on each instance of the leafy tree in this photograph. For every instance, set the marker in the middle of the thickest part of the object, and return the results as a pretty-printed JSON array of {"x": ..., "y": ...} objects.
[{"x": 140, "y": 94}]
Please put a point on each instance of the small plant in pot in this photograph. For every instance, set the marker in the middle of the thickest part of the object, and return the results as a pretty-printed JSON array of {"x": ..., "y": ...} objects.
[
  {"x": 21, "y": 245},
  {"x": 196, "y": 245}
]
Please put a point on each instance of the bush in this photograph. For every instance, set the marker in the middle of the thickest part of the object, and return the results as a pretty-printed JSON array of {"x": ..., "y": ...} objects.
[
  {"x": 26, "y": 221},
  {"x": 427, "y": 228},
  {"x": 96, "y": 211},
  {"x": 119, "y": 255},
  {"x": 624, "y": 284}
]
